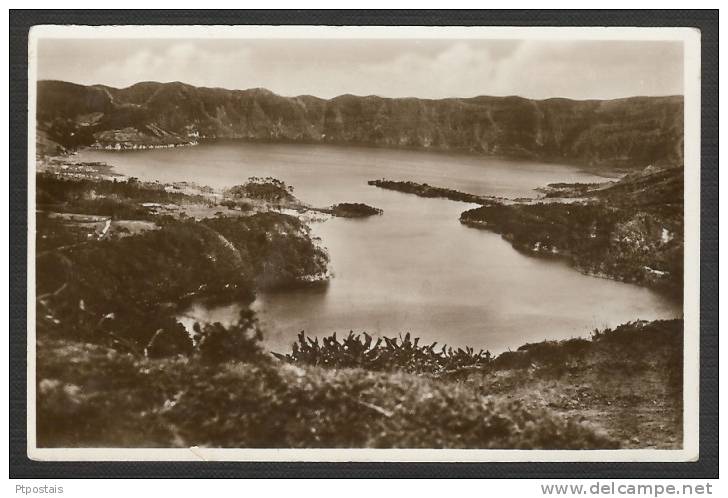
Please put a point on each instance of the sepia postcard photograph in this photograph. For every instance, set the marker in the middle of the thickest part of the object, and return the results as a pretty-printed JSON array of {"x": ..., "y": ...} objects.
[{"x": 363, "y": 243}]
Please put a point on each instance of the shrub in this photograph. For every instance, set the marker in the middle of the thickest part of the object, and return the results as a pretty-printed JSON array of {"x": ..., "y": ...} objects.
[
  {"x": 170, "y": 341},
  {"x": 240, "y": 341},
  {"x": 403, "y": 353}
]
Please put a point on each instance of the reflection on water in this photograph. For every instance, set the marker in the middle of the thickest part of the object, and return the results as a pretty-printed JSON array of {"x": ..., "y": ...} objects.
[{"x": 415, "y": 268}]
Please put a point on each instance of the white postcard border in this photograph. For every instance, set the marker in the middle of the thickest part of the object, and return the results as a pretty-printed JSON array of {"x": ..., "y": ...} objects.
[{"x": 691, "y": 307}]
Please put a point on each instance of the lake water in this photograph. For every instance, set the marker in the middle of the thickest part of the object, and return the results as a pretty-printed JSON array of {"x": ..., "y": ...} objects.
[{"x": 415, "y": 268}]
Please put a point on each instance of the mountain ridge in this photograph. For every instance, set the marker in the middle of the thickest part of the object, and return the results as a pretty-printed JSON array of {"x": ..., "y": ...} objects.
[
  {"x": 629, "y": 132},
  {"x": 226, "y": 89}
]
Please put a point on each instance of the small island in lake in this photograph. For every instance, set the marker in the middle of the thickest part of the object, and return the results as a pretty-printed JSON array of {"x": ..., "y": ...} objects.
[{"x": 353, "y": 210}]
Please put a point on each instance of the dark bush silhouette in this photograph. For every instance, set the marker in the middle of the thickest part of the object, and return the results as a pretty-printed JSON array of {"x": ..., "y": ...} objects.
[
  {"x": 402, "y": 353},
  {"x": 239, "y": 342}
]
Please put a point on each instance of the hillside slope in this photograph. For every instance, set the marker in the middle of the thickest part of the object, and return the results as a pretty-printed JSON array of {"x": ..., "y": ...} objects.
[
  {"x": 631, "y": 230},
  {"x": 625, "y": 132},
  {"x": 621, "y": 389}
]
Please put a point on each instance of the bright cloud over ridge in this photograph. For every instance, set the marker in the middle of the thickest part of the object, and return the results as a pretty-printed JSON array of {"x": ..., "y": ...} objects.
[{"x": 389, "y": 68}]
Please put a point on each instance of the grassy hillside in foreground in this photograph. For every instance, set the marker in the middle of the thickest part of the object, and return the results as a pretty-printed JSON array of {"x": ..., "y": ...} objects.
[{"x": 621, "y": 389}]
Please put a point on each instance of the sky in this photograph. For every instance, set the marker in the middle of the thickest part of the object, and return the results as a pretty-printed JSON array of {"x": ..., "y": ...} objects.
[{"x": 428, "y": 68}]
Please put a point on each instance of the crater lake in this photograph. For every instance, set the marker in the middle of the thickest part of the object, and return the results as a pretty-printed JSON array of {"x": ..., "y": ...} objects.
[{"x": 415, "y": 268}]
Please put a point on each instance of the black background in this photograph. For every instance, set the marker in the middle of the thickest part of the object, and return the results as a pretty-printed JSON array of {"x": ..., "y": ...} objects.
[{"x": 705, "y": 467}]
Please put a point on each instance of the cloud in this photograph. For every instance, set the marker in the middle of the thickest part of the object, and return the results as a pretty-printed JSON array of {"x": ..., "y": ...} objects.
[
  {"x": 391, "y": 68},
  {"x": 589, "y": 69},
  {"x": 178, "y": 62},
  {"x": 459, "y": 70}
]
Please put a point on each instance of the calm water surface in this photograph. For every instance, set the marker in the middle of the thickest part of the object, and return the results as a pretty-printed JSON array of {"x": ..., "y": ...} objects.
[{"x": 415, "y": 268}]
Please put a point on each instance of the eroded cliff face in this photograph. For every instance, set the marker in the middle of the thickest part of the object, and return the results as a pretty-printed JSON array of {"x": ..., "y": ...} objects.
[{"x": 629, "y": 132}]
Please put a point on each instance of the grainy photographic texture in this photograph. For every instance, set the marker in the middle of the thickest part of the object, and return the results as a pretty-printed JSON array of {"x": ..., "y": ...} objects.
[{"x": 338, "y": 240}]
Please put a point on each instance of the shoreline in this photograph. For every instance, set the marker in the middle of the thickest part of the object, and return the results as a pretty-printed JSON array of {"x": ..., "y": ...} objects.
[
  {"x": 607, "y": 171},
  {"x": 125, "y": 146},
  {"x": 554, "y": 381},
  {"x": 306, "y": 214},
  {"x": 510, "y": 217}
]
